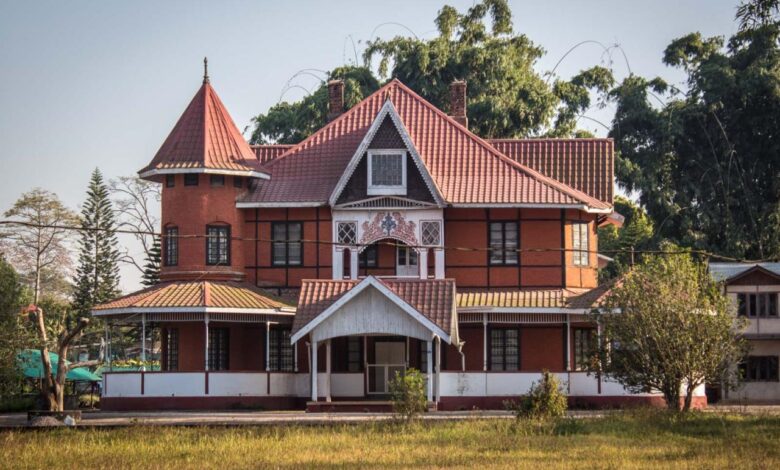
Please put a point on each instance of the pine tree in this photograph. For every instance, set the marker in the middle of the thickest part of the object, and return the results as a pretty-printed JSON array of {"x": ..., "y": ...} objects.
[
  {"x": 97, "y": 276},
  {"x": 151, "y": 275}
]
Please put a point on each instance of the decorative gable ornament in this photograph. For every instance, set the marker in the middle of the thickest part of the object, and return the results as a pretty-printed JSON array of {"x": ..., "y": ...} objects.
[{"x": 389, "y": 225}]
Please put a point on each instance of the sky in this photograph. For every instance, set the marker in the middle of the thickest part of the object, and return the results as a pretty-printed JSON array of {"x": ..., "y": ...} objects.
[{"x": 100, "y": 83}]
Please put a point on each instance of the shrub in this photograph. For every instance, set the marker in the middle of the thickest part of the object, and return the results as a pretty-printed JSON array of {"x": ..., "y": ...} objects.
[
  {"x": 408, "y": 394},
  {"x": 545, "y": 399}
]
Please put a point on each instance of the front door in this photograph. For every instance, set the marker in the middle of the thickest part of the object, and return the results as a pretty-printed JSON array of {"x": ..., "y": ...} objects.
[
  {"x": 389, "y": 358},
  {"x": 406, "y": 262}
]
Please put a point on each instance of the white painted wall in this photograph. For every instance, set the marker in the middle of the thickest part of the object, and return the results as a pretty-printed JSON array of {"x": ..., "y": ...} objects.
[
  {"x": 237, "y": 384},
  {"x": 122, "y": 385},
  {"x": 347, "y": 385},
  {"x": 175, "y": 384}
]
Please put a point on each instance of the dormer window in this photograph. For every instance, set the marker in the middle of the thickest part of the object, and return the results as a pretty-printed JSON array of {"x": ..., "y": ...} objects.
[{"x": 386, "y": 172}]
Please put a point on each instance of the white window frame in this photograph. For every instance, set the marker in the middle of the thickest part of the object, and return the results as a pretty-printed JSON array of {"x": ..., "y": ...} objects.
[
  {"x": 384, "y": 190},
  {"x": 580, "y": 246}
]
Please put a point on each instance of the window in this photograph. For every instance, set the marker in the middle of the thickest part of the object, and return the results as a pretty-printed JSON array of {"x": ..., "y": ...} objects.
[
  {"x": 172, "y": 349},
  {"x": 217, "y": 180},
  {"x": 170, "y": 181},
  {"x": 431, "y": 233},
  {"x": 369, "y": 256},
  {"x": 584, "y": 341},
  {"x": 580, "y": 241},
  {"x": 424, "y": 356},
  {"x": 759, "y": 369},
  {"x": 218, "y": 245},
  {"x": 280, "y": 357},
  {"x": 504, "y": 349},
  {"x": 287, "y": 246},
  {"x": 503, "y": 243},
  {"x": 386, "y": 172},
  {"x": 354, "y": 354},
  {"x": 171, "y": 246},
  {"x": 191, "y": 179},
  {"x": 757, "y": 305},
  {"x": 346, "y": 233},
  {"x": 219, "y": 349},
  {"x": 238, "y": 182}
]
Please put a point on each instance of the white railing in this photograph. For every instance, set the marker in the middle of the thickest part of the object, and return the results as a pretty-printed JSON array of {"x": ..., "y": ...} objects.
[{"x": 203, "y": 384}]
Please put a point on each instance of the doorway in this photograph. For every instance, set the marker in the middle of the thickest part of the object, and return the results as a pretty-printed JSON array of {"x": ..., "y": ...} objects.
[
  {"x": 389, "y": 359},
  {"x": 407, "y": 263}
]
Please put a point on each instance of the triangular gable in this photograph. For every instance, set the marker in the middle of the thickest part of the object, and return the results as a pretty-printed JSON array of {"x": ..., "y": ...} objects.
[
  {"x": 387, "y": 111},
  {"x": 759, "y": 274},
  {"x": 370, "y": 281}
]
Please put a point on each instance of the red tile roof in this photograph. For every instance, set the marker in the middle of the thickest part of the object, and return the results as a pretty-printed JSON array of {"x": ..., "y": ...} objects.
[
  {"x": 465, "y": 168},
  {"x": 584, "y": 164},
  {"x": 266, "y": 153},
  {"x": 188, "y": 294},
  {"x": 433, "y": 298},
  {"x": 205, "y": 137},
  {"x": 473, "y": 299}
]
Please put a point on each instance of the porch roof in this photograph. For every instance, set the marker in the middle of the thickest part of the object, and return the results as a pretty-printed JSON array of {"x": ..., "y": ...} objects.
[
  {"x": 195, "y": 296},
  {"x": 432, "y": 299},
  {"x": 508, "y": 299}
]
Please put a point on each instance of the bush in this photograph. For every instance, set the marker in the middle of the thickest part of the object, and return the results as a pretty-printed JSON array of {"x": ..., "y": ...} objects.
[
  {"x": 408, "y": 394},
  {"x": 545, "y": 399},
  {"x": 18, "y": 403}
]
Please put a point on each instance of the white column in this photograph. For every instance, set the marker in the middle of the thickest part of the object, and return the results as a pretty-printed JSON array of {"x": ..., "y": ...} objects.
[
  {"x": 206, "y": 342},
  {"x": 338, "y": 263},
  {"x": 438, "y": 255},
  {"x": 422, "y": 261},
  {"x": 438, "y": 367},
  {"x": 429, "y": 352},
  {"x": 108, "y": 344},
  {"x": 484, "y": 342},
  {"x": 295, "y": 357},
  {"x": 143, "y": 342},
  {"x": 568, "y": 343},
  {"x": 353, "y": 262},
  {"x": 268, "y": 346},
  {"x": 327, "y": 368},
  {"x": 313, "y": 367}
]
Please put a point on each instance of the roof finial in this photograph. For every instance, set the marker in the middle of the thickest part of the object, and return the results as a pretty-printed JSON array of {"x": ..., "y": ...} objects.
[{"x": 205, "y": 70}]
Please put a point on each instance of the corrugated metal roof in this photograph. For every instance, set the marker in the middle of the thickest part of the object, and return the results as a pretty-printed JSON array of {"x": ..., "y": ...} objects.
[
  {"x": 184, "y": 294},
  {"x": 465, "y": 168},
  {"x": 204, "y": 137},
  {"x": 584, "y": 164},
  {"x": 474, "y": 299},
  {"x": 723, "y": 271}
]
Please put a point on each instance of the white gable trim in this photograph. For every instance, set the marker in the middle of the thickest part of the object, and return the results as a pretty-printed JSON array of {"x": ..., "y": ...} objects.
[
  {"x": 211, "y": 171},
  {"x": 360, "y": 287},
  {"x": 387, "y": 110}
]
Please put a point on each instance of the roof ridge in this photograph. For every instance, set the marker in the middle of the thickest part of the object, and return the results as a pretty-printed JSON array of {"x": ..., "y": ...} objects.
[
  {"x": 322, "y": 129},
  {"x": 557, "y": 185},
  {"x": 551, "y": 139}
]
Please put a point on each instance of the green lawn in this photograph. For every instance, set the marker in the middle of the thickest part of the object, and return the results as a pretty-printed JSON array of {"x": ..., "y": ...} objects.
[{"x": 703, "y": 441}]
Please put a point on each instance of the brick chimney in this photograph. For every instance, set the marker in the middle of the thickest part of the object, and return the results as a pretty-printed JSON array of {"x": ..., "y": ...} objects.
[
  {"x": 458, "y": 102},
  {"x": 335, "y": 99}
]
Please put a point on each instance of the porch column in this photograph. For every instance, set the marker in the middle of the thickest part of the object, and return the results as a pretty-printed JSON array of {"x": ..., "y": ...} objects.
[
  {"x": 313, "y": 367},
  {"x": 327, "y": 368},
  {"x": 107, "y": 351},
  {"x": 438, "y": 255},
  {"x": 484, "y": 342},
  {"x": 429, "y": 352},
  {"x": 338, "y": 263},
  {"x": 295, "y": 357},
  {"x": 143, "y": 342},
  {"x": 268, "y": 346},
  {"x": 438, "y": 368},
  {"x": 568, "y": 343},
  {"x": 422, "y": 263},
  {"x": 353, "y": 262},
  {"x": 206, "y": 342}
]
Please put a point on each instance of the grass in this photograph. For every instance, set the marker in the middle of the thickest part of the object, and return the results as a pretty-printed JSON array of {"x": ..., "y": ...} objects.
[{"x": 633, "y": 440}]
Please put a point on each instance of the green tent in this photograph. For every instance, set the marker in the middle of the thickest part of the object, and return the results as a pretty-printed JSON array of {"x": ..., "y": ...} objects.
[{"x": 29, "y": 362}]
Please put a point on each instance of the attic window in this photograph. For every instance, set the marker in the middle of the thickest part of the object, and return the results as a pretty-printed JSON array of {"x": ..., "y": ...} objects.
[{"x": 386, "y": 172}]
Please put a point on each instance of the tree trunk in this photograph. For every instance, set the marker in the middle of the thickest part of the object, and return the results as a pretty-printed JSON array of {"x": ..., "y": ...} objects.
[{"x": 672, "y": 396}]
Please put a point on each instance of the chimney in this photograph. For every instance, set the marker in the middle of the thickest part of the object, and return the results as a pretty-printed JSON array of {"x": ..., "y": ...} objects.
[
  {"x": 335, "y": 99},
  {"x": 458, "y": 102}
]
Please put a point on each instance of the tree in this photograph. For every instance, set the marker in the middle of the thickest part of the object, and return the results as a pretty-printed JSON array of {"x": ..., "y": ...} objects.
[
  {"x": 151, "y": 275},
  {"x": 97, "y": 277},
  {"x": 507, "y": 97},
  {"x": 636, "y": 234},
  {"x": 36, "y": 243},
  {"x": 706, "y": 161},
  {"x": 667, "y": 326},
  {"x": 13, "y": 338},
  {"x": 137, "y": 202},
  {"x": 53, "y": 387}
]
